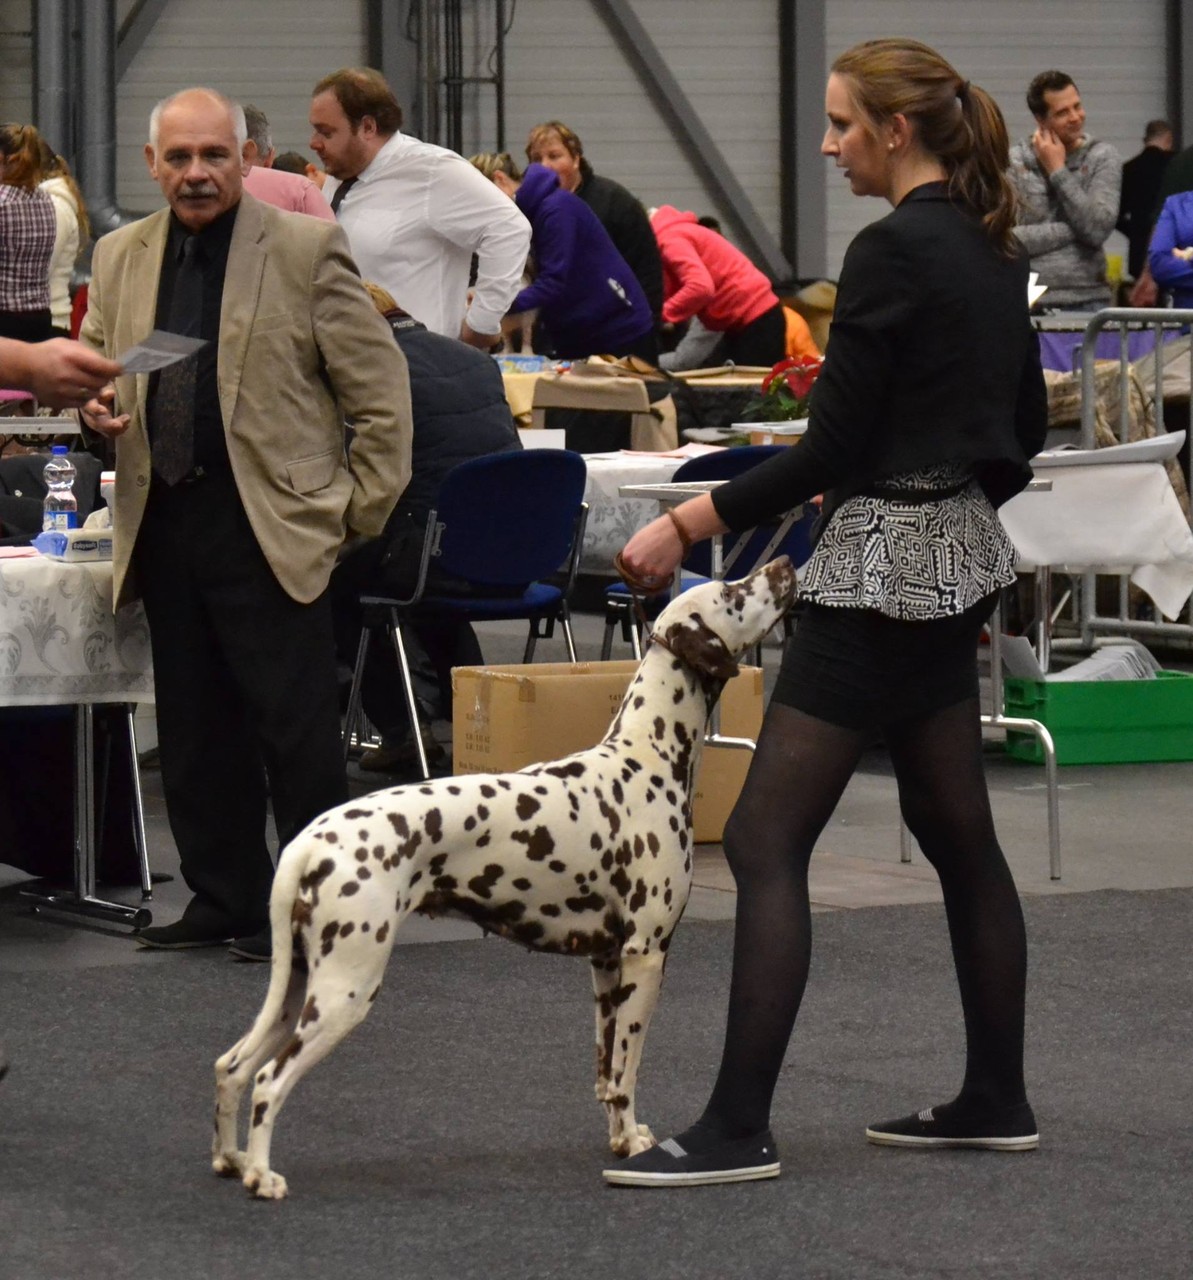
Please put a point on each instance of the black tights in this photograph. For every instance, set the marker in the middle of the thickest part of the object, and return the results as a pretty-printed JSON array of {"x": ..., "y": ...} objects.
[{"x": 943, "y": 796}]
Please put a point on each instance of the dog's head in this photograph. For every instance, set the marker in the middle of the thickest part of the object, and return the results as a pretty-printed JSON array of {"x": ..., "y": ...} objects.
[{"x": 708, "y": 627}]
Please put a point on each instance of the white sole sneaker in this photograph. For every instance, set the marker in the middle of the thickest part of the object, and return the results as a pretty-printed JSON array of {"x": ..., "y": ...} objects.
[{"x": 1028, "y": 1142}]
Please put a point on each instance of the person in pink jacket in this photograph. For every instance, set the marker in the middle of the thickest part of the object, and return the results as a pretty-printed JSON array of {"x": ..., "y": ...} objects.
[{"x": 706, "y": 277}]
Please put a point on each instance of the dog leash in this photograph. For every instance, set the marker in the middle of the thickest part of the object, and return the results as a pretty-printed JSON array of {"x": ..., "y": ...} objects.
[{"x": 639, "y": 590}]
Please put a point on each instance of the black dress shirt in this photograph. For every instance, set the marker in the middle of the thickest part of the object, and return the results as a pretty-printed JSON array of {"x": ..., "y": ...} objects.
[{"x": 211, "y": 448}]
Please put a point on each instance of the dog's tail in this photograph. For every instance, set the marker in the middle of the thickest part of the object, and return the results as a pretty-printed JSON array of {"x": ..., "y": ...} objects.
[{"x": 284, "y": 907}]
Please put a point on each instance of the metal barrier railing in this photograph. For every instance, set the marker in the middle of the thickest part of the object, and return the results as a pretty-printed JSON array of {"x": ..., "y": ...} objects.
[{"x": 1125, "y": 320}]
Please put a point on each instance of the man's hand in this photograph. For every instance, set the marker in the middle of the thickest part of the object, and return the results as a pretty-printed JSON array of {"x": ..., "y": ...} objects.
[
  {"x": 60, "y": 373},
  {"x": 1145, "y": 293},
  {"x": 481, "y": 341},
  {"x": 1049, "y": 149},
  {"x": 97, "y": 414}
]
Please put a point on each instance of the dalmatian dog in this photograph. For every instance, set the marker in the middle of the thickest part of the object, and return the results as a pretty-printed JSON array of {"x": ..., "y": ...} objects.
[{"x": 590, "y": 855}]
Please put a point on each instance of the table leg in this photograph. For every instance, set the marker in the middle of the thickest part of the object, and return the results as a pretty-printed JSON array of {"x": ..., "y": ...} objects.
[{"x": 81, "y": 901}]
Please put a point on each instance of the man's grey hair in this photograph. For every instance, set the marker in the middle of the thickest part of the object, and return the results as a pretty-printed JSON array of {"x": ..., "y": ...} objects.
[
  {"x": 235, "y": 110},
  {"x": 259, "y": 131}
]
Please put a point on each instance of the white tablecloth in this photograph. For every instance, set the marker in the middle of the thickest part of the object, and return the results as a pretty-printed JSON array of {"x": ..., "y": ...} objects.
[
  {"x": 612, "y": 519},
  {"x": 1115, "y": 518},
  {"x": 59, "y": 641}
]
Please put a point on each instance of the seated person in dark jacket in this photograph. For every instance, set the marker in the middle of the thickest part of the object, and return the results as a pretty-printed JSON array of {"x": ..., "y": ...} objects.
[
  {"x": 460, "y": 412},
  {"x": 587, "y": 297},
  {"x": 621, "y": 214}
]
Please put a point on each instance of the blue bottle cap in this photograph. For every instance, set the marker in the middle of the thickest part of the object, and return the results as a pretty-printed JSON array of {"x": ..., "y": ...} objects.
[{"x": 59, "y": 448}]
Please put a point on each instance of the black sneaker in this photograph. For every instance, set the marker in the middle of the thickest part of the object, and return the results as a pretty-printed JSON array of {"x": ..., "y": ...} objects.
[
  {"x": 182, "y": 935},
  {"x": 253, "y": 946},
  {"x": 669, "y": 1165},
  {"x": 1013, "y": 1129}
]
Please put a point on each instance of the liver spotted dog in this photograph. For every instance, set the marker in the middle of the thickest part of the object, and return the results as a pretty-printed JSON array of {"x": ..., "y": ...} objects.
[{"x": 590, "y": 855}]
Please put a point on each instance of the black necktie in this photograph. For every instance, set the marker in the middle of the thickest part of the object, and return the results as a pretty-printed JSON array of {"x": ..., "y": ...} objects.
[
  {"x": 174, "y": 430},
  {"x": 340, "y": 192}
]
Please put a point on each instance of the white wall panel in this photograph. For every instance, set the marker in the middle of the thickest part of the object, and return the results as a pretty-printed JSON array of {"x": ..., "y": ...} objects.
[
  {"x": 562, "y": 63},
  {"x": 270, "y": 52},
  {"x": 16, "y": 61},
  {"x": 1115, "y": 52}
]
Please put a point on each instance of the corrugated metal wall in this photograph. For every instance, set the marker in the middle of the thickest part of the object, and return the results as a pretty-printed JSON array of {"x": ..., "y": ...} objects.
[
  {"x": 1115, "y": 52},
  {"x": 562, "y": 61}
]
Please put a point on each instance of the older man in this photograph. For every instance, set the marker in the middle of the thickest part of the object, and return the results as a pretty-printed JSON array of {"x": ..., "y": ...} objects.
[
  {"x": 415, "y": 213},
  {"x": 234, "y": 491},
  {"x": 294, "y": 192},
  {"x": 1068, "y": 187}
]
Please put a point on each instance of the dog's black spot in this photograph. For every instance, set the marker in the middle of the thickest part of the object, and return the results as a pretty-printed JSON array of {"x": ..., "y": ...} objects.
[
  {"x": 310, "y": 1012},
  {"x": 347, "y": 890},
  {"x": 482, "y": 885},
  {"x": 259, "y": 1113},
  {"x": 527, "y": 807},
  {"x": 540, "y": 843}
]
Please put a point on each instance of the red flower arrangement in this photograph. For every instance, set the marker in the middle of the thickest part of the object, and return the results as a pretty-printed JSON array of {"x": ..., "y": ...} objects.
[{"x": 786, "y": 391}]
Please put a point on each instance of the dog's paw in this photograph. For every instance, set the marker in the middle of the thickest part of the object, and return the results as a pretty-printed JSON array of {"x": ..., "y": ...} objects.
[
  {"x": 265, "y": 1184},
  {"x": 642, "y": 1141},
  {"x": 229, "y": 1164}
]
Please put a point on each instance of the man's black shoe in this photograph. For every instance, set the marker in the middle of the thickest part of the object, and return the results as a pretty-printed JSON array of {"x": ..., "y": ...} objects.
[
  {"x": 253, "y": 946},
  {"x": 182, "y": 935}
]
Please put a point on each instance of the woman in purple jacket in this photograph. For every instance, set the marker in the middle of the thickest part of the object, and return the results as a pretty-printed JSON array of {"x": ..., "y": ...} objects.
[{"x": 589, "y": 300}]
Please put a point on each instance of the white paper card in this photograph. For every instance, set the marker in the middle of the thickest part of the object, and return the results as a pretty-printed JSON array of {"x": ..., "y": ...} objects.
[{"x": 157, "y": 351}]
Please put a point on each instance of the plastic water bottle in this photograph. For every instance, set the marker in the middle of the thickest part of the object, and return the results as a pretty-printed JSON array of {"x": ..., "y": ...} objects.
[{"x": 60, "y": 510}]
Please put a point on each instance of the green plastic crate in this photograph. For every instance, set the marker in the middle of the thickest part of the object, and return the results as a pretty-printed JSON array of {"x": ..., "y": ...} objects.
[{"x": 1105, "y": 721}]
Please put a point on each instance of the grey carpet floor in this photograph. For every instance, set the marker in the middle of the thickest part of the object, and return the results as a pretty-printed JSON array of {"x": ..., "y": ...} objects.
[{"x": 455, "y": 1135}]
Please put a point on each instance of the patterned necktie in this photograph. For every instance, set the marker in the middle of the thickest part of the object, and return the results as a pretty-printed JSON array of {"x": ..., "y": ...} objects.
[
  {"x": 174, "y": 418},
  {"x": 340, "y": 192}
]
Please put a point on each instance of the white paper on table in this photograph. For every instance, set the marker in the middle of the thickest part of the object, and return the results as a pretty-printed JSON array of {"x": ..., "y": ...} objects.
[
  {"x": 157, "y": 351},
  {"x": 1121, "y": 518}
]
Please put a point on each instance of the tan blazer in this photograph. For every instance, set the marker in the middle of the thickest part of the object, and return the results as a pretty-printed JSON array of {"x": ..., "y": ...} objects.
[{"x": 301, "y": 348}]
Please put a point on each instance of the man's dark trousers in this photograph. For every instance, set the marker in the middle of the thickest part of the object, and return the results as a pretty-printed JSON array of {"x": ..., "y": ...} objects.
[{"x": 246, "y": 689}]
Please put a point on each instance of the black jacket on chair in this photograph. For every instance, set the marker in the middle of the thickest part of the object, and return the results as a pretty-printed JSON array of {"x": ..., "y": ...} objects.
[{"x": 933, "y": 359}]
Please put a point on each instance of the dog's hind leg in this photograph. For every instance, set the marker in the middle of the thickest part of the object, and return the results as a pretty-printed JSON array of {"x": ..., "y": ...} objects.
[
  {"x": 339, "y": 993},
  {"x": 633, "y": 998},
  {"x": 236, "y": 1068}
]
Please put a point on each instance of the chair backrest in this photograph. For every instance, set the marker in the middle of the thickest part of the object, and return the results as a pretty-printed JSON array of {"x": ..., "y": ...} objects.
[
  {"x": 726, "y": 464},
  {"x": 510, "y": 518}
]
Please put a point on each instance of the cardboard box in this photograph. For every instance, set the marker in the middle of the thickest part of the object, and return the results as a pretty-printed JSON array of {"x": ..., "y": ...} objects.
[{"x": 506, "y": 717}]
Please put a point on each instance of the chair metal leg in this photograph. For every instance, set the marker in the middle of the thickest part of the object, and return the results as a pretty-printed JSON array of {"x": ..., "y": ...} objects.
[
  {"x": 352, "y": 715},
  {"x": 607, "y": 638},
  {"x": 904, "y": 841},
  {"x": 138, "y": 809},
  {"x": 565, "y": 620},
  {"x": 416, "y": 728}
]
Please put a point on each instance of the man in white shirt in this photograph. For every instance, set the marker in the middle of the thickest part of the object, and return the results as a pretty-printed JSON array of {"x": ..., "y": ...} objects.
[{"x": 416, "y": 213}]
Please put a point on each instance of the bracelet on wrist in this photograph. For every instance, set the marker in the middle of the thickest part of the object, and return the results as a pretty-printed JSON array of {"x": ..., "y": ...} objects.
[{"x": 685, "y": 538}]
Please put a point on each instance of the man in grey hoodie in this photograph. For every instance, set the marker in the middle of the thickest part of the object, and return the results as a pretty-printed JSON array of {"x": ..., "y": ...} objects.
[{"x": 1068, "y": 186}]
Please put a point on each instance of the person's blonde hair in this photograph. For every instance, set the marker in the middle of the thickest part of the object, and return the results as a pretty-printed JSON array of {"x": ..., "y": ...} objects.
[
  {"x": 955, "y": 121},
  {"x": 54, "y": 166},
  {"x": 540, "y": 135},
  {"x": 382, "y": 300},
  {"x": 491, "y": 162}
]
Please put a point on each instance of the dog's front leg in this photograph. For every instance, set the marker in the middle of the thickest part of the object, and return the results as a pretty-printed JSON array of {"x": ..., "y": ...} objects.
[
  {"x": 634, "y": 996},
  {"x": 606, "y": 974}
]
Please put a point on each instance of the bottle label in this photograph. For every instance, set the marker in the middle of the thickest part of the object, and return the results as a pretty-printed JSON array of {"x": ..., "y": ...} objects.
[{"x": 61, "y": 520}]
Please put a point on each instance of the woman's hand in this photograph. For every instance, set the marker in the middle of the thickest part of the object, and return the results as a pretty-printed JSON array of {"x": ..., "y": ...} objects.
[{"x": 653, "y": 554}]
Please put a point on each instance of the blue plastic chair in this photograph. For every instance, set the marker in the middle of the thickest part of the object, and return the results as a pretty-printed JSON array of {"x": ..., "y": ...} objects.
[
  {"x": 697, "y": 564},
  {"x": 503, "y": 523}
]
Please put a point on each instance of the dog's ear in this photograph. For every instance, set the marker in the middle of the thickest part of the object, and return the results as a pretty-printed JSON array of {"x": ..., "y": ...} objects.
[{"x": 696, "y": 645}]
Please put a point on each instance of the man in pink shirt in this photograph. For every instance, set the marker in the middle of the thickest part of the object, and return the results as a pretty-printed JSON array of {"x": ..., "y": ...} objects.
[{"x": 289, "y": 191}]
